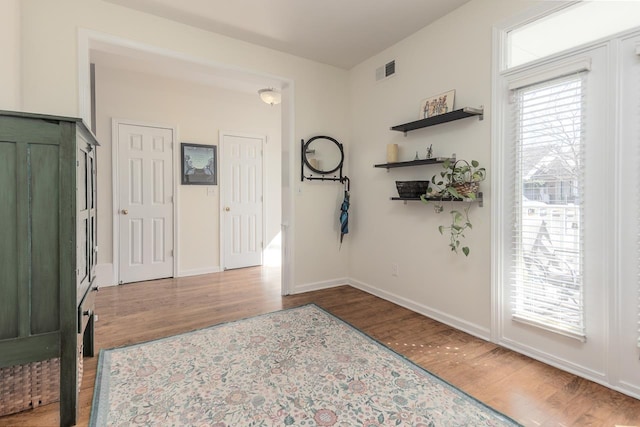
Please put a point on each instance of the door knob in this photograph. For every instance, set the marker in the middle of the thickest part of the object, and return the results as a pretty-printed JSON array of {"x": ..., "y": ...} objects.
[
  {"x": 227, "y": 209},
  {"x": 125, "y": 211}
]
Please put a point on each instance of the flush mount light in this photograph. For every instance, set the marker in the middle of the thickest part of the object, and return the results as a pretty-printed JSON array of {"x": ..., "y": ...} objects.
[{"x": 270, "y": 96}]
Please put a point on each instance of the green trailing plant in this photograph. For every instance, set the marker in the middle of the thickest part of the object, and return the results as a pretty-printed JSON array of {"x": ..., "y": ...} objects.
[
  {"x": 458, "y": 180},
  {"x": 459, "y": 224},
  {"x": 453, "y": 179}
]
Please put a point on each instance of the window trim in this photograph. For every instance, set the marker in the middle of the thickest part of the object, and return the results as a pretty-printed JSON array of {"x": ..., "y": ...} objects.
[{"x": 499, "y": 107}]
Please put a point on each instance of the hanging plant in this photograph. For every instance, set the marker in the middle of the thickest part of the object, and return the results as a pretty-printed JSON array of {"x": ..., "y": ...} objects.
[
  {"x": 459, "y": 223},
  {"x": 458, "y": 181}
]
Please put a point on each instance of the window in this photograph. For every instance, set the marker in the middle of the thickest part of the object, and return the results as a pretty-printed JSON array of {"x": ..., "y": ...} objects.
[
  {"x": 547, "y": 238},
  {"x": 587, "y": 21},
  {"x": 565, "y": 187}
]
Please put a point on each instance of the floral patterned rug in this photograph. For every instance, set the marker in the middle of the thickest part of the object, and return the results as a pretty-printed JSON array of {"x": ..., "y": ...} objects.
[{"x": 296, "y": 367}]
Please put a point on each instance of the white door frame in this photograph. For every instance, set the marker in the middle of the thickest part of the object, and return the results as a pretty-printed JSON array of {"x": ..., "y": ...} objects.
[
  {"x": 88, "y": 39},
  {"x": 115, "y": 123},
  {"x": 223, "y": 192}
]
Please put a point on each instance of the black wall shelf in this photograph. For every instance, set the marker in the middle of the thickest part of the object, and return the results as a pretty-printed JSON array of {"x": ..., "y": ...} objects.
[
  {"x": 463, "y": 113},
  {"x": 478, "y": 199},
  {"x": 433, "y": 161}
]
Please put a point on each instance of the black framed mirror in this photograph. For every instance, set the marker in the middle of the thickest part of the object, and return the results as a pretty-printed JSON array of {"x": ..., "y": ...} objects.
[{"x": 322, "y": 155}]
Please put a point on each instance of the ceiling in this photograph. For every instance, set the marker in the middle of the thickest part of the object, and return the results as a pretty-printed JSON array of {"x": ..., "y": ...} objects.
[{"x": 342, "y": 33}]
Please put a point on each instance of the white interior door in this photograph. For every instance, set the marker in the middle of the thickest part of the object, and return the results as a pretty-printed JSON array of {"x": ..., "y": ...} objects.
[
  {"x": 145, "y": 208},
  {"x": 242, "y": 200}
]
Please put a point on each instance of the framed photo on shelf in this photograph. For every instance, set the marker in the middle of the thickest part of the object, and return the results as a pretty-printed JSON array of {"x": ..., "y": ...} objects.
[
  {"x": 436, "y": 105},
  {"x": 199, "y": 164}
]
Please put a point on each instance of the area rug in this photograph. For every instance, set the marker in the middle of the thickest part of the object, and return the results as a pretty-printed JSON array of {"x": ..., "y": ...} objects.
[{"x": 295, "y": 367}]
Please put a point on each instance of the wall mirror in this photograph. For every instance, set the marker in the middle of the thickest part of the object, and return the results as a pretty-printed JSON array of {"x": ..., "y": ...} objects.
[{"x": 324, "y": 156}]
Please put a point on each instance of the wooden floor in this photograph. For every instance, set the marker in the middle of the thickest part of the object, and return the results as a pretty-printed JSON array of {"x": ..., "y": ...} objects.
[{"x": 532, "y": 393}]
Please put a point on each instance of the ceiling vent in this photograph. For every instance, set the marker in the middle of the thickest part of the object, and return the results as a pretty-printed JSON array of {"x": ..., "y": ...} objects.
[{"x": 386, "y": 71}]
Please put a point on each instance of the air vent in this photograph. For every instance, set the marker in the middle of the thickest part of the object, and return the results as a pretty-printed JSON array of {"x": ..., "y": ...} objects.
[
  {"x": 386, "y": 71},
  {"x": 390, "y": 68}
]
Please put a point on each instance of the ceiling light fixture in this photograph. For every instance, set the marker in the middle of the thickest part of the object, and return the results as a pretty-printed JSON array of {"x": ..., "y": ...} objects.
[{"x": 270, "y": 96}]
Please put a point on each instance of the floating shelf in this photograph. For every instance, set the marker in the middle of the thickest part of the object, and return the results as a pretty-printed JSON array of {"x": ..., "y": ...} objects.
[
  {"x": 433, "y": 161},
  {"x": 478, "y": 199},
  {"x": 441, "y": 118}
]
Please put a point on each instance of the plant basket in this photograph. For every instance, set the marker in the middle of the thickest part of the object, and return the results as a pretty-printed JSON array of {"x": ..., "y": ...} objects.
[
  {"x": 465, "y": 181},
  {"x": 466, "y": 188}
]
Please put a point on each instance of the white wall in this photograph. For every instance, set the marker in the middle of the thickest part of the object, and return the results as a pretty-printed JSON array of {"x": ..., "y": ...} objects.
[
  {"x": 10, "y": 48},
  {"x": 50, "y": 85},
  {"x": 452, "y": 53},
  {"x": 199, "y": 113}
]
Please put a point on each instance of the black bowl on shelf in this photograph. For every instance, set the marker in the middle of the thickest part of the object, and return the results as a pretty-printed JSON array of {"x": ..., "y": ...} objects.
[{"x": 411, "y": 189}]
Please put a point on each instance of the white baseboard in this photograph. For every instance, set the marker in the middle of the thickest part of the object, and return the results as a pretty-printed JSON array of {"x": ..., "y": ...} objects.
[
  {"x": 568, "y": 366},
  {"x": 549, "y": 359},
  {"x": 199, "y": 271},
  {"x": 104, "y": 274},
  {"x": 326, "y": 284},
  {"x": 628, "y": 389},
  {"x": 463, "y": 325}
]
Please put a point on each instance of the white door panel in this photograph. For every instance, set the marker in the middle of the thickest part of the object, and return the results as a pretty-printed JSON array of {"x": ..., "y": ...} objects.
[
  {"x": 626, "y": 336},
  {"x": 145, "y": 210},
  {"x": 242, "y": 222},
  {"x": 585, "y": 357}
]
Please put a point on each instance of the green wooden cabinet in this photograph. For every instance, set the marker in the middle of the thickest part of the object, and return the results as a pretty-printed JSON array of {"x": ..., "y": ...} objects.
[{"x": 47, "y": 244}]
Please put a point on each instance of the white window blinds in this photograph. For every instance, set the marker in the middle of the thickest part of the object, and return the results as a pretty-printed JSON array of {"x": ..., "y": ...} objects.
[{"x": 547, "y": 240}]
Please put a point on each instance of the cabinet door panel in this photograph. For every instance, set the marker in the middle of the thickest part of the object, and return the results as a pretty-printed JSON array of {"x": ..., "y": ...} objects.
[
  {"x": 84, "y": 243},
  {"x": 93, "y": 230},
  {"x": 45, "y": 261},
  {"x": 8, "y": 238}
]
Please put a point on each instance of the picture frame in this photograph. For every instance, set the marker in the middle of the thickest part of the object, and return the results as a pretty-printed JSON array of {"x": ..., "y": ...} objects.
[
  {"x": 199, "y": 164},
  {"x": 436, "y": 105}
]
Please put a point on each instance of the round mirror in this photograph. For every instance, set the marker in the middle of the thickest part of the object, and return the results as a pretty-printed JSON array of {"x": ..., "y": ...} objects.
[{"x": 323, "y": 154}]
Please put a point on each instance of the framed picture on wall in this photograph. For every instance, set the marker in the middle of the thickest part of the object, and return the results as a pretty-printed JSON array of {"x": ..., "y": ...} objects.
[
  {"x": 199, "y": 164},
  {"x": 436, "y": 105}
]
